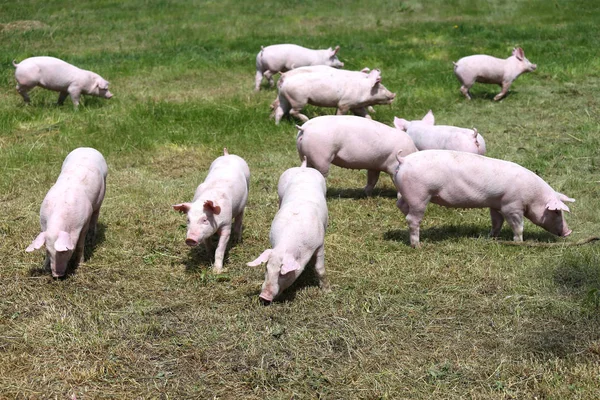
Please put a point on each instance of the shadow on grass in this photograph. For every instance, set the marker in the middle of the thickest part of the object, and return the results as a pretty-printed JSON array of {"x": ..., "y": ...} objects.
[
  {"x": 308, "y": 278},
  {"x": 487, "y": 95},
  {"x": 335, "y": 193},
  {"x": 564, "y": 331},
  {"x": 441, "y": 233},
  {"x": 199, "y": 259}
]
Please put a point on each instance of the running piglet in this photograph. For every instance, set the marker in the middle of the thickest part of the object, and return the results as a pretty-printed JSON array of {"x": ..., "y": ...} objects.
[
  {"x": 284, "y": 57},
  {"x": 487, "y": 69}
]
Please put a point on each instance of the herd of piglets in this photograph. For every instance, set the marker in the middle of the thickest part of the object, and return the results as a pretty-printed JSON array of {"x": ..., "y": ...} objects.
[{"x": 441, "y": 164}]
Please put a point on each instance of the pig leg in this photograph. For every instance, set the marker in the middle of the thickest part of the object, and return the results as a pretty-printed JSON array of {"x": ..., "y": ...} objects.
[
  {"x": 47, "y": 262},
  {"x": 296, "y": 113},
  {"x": 75, "y": 94},
  {"x": 321, "y": 165},
  {"x": 414, "y": 214},
  {"x": 269, "y": 75},
  {"x": 237, "y": 227},
  {"x": 257, "y": 80},
  {"x": 372, "y": 178},
  {"x": 23, "y": 91},
  {"x": 79, "y": 247},
  {"x": 61, "y": 98},
  {"x": 224, "y": 235},
  {"x": 497, "y": 221},
  {"x": 505, "y": 87},
  {"x": 361, "y": 112},
  {"x": 320, "y": 269},
  {"x": 515, "y": 220},
  {"x": 465, "y": 90},
  {"x": 341, "y": 110},
  {"x": 91, "y": 233},
  {"x": 283, "y": 107}
]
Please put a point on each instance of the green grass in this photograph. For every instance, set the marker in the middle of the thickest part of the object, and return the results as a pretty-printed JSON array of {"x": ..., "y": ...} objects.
[{"x": 143, "y": 317}]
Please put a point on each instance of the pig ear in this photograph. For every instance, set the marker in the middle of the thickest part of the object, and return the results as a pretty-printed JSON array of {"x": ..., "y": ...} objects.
[
  {"x": 289, "y": 264},
  {"x": 337, "y": 48},
  {"x": 212, "y": 207},
  {"x": 102, "y": 84},
  {"x": 183, "y": 207},
  {"x": 557, "y": 205},
  {"x": 365, "y": 70},
  {"x": 63, "y": 242},
  {"x": 400, "y": 123},
  {"x": 375, "y": 77},
  {"x": 519, "y": 53},
  {"x": 263, "y": 258},
  {"x": 562, "y": 197},
  {"x": 225, "y": 151},
  {"x": 428, "y": 118},
  {"x": 37, "y": 242}
]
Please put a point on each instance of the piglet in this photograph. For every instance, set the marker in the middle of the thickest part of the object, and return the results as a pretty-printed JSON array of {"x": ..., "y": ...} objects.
[
  {"x": 297, "y": 232},
  {"x": 488, "y": 69},
  {"x": 59, "y": 76},
  {"x": 284, "y": 57},
  {"x": 464, "y": 180},
  {"x": 220, "y": 198},
  {"x": 352, "y": 142},
  {"x": 70, "y": 209},
  {"x": 428, "y": 136},
  {"x": 333, "y": 88}
]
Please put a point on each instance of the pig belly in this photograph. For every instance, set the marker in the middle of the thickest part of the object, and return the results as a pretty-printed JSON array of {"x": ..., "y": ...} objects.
[{"x": 465, "y": 194}]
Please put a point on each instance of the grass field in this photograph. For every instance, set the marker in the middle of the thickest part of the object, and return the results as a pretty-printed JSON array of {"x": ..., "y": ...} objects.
[{"x": 144, "y": 317}]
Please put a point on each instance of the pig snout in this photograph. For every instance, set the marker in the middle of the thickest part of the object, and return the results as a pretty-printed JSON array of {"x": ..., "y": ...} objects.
[
  {"x": 191, "y": 242},
  {"x": 108, "y": 95},
  {"x": 264, "y": 300},
  {"x": 566, "y": 232}
]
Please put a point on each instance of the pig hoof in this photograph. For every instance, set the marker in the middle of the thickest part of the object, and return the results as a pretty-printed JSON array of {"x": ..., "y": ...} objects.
[{"x": 218, "y": 270}]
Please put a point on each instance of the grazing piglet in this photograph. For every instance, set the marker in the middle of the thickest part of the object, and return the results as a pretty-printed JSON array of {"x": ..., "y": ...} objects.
[
  {"x": 487, "y": 69},
  {"x": 297, "y": 232},
  {"x": 54, "y": 74},
  {"x": 220, "y": 198},
  {"x": 352, "y": 142},
  {"x": 284, "y": 57},
  {"x": 354, "y": 92},
  {"x": 464, "y": 180},
  {"x": 428, "y": 136},
  {"x": 70, "y": 209}
]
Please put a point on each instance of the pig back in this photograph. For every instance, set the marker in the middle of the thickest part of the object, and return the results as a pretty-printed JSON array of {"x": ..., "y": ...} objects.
[
  {"x": 85, "y": 169},
  {"x": 228, "y": 175}
]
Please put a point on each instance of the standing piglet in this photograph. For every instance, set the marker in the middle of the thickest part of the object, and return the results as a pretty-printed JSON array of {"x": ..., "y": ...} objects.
[
  {"x": 464, "y": 180},
  {"x": 60, "y": 76},
  {"x": 346, "y": 92},
  {"x": 428, "y": 136},
  {"x": 220, "y": 198},
  {"x": 284, "y": 57},
  {"x": 297, "y": 232},
  {"x": 352, "y": 142},
  {"x": 488, "y": 69},
  {"x": 70, "y": 209}
]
